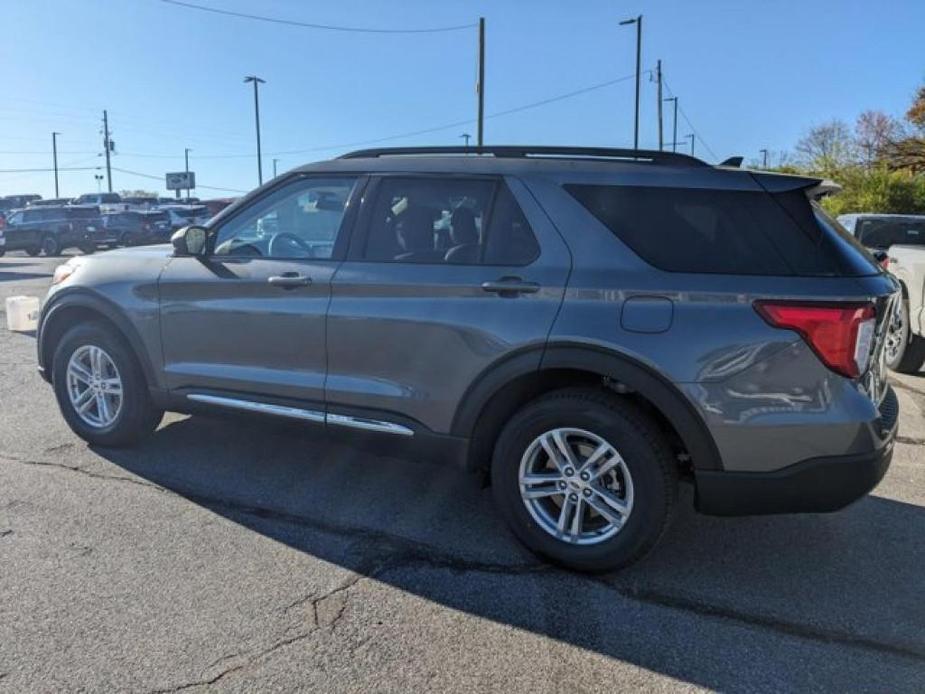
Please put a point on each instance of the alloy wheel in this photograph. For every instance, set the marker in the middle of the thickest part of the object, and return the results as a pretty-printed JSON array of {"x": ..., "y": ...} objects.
[
  {"x": 94, "y": 386},
  {"x": 576, "y": 486}
]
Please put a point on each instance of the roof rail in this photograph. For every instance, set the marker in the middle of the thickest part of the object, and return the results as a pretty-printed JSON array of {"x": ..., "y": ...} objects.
[{"x": 639, "y": 155}]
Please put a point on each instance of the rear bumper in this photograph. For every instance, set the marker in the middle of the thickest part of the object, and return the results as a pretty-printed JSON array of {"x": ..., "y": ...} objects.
[{"x": 817, "y": 485}]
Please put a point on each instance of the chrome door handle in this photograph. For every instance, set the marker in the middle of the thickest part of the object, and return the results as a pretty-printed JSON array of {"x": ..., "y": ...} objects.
[
  {"x": 510, "y": 286},
  {"x": 290, "y": 280}
]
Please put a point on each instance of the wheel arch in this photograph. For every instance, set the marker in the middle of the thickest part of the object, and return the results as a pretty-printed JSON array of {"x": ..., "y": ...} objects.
[
  {"x": 508, "y": 385},
  {"x": 76, "y": 307}
]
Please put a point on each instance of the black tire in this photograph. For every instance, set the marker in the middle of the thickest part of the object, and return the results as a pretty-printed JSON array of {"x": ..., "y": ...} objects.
[
  {"x": 638, "y": 441},
  {"x": 88, "y": 249},
  {"x": 51, "y": 246},
  {"x": 33, "y": 251},
  {"x": 127, "y": 239},
  {"x": 910, "y": 355},
  {"x": 138, "y": 416}
]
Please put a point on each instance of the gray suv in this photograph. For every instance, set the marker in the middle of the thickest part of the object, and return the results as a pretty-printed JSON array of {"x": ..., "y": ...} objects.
[{"x": 591, "y": 326}]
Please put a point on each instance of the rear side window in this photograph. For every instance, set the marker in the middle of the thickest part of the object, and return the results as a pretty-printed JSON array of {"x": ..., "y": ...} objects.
[
  {"x": 83, "y": 212},
  {"x": 444, "y": 220},
  {"x": 717, "y": 231}
]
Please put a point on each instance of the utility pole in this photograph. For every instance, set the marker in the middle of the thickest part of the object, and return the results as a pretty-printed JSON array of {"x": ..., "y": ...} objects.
[
  {"x": 274, "y": 167},
  {"x": 691, "y": 136},
  {"x": 764, "y": 153},
  {"x": 54, "y": 157},
  {"x": 638, "y": 22},
  {"x": 674, "y": 130},
  {"x": 99, "y": 181},
  {"x": 658, "y": 75},
  {"x": 466, "y": 136},
  {"x": 480, "y": 86},
  {"x": 107, "y": 147},
  {"x": 256, "y": 80},
  {"x": 186, "y": 152}
]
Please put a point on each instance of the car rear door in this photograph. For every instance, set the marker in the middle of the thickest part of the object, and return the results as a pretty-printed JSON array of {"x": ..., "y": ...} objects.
[
  {"x": 246, "y": 323},
  {"x": 445, "y": 277}
]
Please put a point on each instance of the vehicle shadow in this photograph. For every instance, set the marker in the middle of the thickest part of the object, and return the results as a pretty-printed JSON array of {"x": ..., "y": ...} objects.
[
  {"x": 848, "y": 580},
  {"x": 14, "y": 276}
]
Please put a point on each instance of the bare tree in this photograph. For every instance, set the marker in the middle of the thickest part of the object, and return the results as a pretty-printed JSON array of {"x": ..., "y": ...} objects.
[
  {"x": 874, "y": 132},
  {"x": 826, "y": 147}
]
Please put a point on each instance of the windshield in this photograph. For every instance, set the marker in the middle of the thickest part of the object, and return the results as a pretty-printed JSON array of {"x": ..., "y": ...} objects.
[{"x": 883, "y": 233}]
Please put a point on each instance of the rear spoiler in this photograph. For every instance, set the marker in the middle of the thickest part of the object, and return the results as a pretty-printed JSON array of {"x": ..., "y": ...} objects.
[{"x": 823, "y": 189}]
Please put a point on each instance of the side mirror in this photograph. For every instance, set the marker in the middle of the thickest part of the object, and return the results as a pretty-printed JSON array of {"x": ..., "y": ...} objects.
[{"x": 189, "y": 241}]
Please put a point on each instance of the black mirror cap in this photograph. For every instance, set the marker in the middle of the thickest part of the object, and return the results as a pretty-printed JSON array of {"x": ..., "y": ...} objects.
[{"x": 190, "y": 240}]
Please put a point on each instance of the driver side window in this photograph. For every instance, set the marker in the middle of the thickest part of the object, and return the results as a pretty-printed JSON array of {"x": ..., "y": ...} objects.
[{"x": 299, "y": 220}]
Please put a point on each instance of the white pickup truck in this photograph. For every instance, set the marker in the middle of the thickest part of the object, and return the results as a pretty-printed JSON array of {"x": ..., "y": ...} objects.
[{"x": 902, "y": 238}]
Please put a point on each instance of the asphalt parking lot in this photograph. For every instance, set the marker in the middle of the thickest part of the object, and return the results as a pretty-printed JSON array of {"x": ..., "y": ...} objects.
[{"x": 240, "y": 556}]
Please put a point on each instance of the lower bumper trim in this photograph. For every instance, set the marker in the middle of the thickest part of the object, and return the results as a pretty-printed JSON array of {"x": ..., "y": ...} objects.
[{"x": 817, "y": 485}]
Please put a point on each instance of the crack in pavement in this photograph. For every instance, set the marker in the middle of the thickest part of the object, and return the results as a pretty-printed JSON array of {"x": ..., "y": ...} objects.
[
  {"x": 911, "y": 440},
  {"x": 5, "y": 532},
  {"x": 247, "y": 659},
  {"x": 5, "y": 457},
  {"x": 386, "y": 552},
  {"x": 903, "y": 386}
]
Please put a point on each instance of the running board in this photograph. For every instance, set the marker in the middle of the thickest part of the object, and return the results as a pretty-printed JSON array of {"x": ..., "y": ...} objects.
[{"x": 341, "y": 420}]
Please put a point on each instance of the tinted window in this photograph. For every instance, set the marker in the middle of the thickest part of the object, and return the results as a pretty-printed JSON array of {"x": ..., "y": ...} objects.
[
  {"x": 110, "y": 197},
  {"x": 447, "y": 220},
  {"x": 299, "y": 220},
  {"x": 34, "y": 215},
  {"x": 719, "y": 231},
  {"x": 82, "y": 212},
  {"x": 883, "y": 233}
]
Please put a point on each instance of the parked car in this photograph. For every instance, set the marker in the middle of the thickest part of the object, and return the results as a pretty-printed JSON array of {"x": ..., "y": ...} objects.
[
  {"x": 11, "y": 202},
  {"x": 140, "y": 203},
  {"x": 594, "y": 326},
  {"x": 184, "y": 215},
  {"x": 107, "y": 202},
  {"x": 138, "y": 228},
  {"x": 901, "y": 241},
  {"x": 53, "y": 229},
  {"x": 49, "y": 202},
  {"x": 217, "y": 205}
]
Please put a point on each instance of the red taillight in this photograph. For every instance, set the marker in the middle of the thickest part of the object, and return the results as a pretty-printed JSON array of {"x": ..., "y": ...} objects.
[
  {"x": 840, "y": 334},
  {"x": 885, "y": 262}
]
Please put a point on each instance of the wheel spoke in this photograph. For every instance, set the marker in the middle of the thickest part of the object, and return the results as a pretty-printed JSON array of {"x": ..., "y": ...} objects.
[
  {"x": 113, "y": 386},
  {"x": 564, "y": 449},
  {"x": 607, "y": 466},
  {"x": 102, "y": 407},
  {"x": 577, "y": 517},
  {"x": 611, "y": 502},
  {"x": 564, "y": 513},
  {"x": 595, "y": 456},
  {"x": 539, "y": 485},
  {"x": 80, "y": 372},
  {"x": 95, "y": 365},
  {"x": 84, "y": 400}
]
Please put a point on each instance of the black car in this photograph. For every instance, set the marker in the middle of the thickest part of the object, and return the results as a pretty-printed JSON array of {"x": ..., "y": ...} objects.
[
  {"x": 137, "y": 228},
  {"x": 52, "y": 229}
]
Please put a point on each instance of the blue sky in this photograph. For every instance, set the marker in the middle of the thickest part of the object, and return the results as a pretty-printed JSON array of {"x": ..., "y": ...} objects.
[{"x": 748, "y": 74}]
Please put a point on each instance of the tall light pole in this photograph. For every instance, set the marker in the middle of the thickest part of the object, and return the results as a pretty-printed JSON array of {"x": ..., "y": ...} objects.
[
  {"x": 658, "y": 77},
  {"x": 466, "y": 136},
  {"x": 186, "y": 152},
  {"x": 274, "y": 167},
  {"x": 480, "y": 87},
  {"x": 764, "y": 154},
  {"x": 638, "y": 22},
  {"x": 99, "y": 182},
  {"x": 256, "y": 80},
  {"x": 691, "y": 136},
  {"x": 674, "y": 129},
  {"x": 54, "y": 157}
]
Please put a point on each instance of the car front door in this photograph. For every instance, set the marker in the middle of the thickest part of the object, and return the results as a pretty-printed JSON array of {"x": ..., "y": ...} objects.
[
  {"x": 445, "y": 277},
  {"x": 245, "y": 323}
]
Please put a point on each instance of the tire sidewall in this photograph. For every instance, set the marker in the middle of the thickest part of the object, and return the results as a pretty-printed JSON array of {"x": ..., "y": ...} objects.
[
  {"x": 51, "y": 246},
  {"x": 651, "y": 499},
  {"x": 903, "y": 336},
  {"x": 135, "y": 399}
]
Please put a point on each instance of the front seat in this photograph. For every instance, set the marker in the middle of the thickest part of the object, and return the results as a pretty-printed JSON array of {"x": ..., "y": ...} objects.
[
  {"x": 415, "y": 233},
  {"x": 465, "y": 238}
]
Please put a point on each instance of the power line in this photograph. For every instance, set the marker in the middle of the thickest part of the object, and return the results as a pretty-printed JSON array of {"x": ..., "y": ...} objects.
[
  {"x": 691, "y": 125},
  {"x": 161, "y": 178},
  {"x": 309, "y": 25}
]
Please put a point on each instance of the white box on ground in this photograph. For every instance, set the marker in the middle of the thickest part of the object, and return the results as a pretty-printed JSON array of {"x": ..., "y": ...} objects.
[{"x": 22, "y": 313}]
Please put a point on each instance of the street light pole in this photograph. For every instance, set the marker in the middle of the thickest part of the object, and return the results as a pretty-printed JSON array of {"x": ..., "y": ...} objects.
[
  {"x": 256, "y": 80},
  {"x": 274, "y": 167},
  {"x": 674, "y": 129},
  {"x": 638, "y": 22},
  {"x": 466, "y": 136},
  {"x": 764, "y": 152},
  {"x": 481, "y": 85},
  {"x": 658, "y": 74},
  {"x": 186, "y": 152},
  {"x": 54, "y": 156},
  {"x": 691, "y": 136}
]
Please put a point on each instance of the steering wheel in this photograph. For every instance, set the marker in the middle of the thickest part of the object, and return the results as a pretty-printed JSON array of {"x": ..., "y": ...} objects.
[{"x": 276, "y": 244}]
